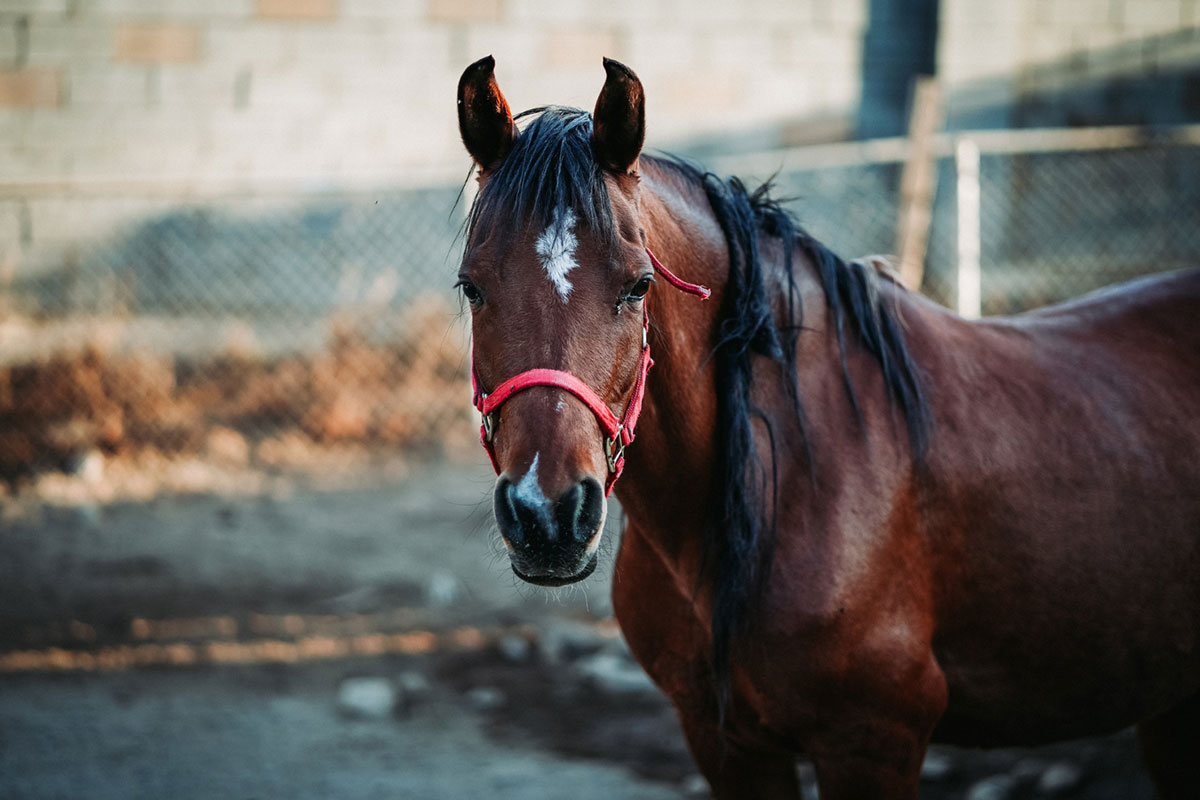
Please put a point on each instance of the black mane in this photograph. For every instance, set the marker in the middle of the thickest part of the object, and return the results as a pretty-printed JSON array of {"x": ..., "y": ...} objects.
[
  {"x": 739, "y": 541},
  {"x": 551, "y": 169}
]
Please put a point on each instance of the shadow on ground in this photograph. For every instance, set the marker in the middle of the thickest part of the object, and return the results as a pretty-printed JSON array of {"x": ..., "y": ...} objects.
[{"x": 366, "y": 643}]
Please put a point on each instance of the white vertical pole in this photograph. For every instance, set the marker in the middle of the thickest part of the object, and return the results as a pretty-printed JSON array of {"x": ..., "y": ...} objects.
[{"x": 966, "y": 160}]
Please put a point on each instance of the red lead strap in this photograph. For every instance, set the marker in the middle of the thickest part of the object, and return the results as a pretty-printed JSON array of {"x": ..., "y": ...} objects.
[
  {"x": 618, "y": 432},
  {"x": 703, "y": 292}
]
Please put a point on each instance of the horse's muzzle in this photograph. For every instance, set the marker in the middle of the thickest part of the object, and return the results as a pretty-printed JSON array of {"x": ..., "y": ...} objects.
[
  {"x": 551, "y": 542},
  {"x": 553, "y": 580}
]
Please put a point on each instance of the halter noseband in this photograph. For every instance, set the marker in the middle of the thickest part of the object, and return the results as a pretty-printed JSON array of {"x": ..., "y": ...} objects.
[{"x": 618, "y": 432}]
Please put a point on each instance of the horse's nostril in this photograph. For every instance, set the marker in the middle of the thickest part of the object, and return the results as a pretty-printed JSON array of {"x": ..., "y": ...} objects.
[
  {"x": 504, "y": 504},
  {"x": 580, "y": 510},
  {"x": 567, "y": 510},
  {"x": 524, "y": 514}
]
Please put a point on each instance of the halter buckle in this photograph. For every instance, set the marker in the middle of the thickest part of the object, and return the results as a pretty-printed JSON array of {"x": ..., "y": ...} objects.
[
  {"x": 614, "y": 449},
  {"x": 489, "y": 427}
]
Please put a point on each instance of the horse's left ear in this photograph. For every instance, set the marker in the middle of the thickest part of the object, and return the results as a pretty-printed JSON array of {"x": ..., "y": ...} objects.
[{"x": 619, "y": 123}]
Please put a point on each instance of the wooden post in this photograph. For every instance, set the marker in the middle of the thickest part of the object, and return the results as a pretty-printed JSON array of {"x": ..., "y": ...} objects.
[{"x": 918, "y": 182}]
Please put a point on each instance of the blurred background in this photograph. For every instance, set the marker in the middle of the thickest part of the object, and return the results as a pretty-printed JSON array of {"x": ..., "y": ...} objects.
[{"x": 244, "y": 536}]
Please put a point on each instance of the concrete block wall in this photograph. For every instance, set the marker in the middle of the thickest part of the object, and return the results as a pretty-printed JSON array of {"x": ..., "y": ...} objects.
[
  {"x": 1079, "y": 53},
  {"x": 987, "y": 39},
  {"x": 341, "y": 89},
  {"x": 342, "y": 92}
]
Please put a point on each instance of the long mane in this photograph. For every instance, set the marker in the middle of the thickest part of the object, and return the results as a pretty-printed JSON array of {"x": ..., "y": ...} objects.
[
  {"x": 739, "y": 540},
  {"x": 551, "y": 169}
]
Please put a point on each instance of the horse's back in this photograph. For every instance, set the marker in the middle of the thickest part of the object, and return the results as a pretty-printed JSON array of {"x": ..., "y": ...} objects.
[
  {"x": 1065, "y": 493},
  {"x": 1136, "y": 345},
  {"x": 1166, "y": 302}
]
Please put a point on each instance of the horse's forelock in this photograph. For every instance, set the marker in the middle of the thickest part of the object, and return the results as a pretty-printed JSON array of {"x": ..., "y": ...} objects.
[{"x": 549, "y": 173}]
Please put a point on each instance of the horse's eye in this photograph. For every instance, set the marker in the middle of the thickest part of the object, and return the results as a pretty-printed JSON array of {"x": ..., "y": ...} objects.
[
  {"x": 470, "y": 291},
  {"x": 640, "y": 288}
]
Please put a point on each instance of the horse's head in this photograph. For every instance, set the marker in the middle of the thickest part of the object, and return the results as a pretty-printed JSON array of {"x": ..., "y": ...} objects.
[{"x": 555, "y": 271}]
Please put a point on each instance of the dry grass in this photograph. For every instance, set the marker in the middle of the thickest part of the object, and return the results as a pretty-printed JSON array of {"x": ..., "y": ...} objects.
[{"x": 410, "y": 393}]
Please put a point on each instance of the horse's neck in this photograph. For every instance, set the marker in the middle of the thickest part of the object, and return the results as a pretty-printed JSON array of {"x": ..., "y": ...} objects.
[
  {"x": 672, "y": 465},
  {"x": 670, "y": 472}
]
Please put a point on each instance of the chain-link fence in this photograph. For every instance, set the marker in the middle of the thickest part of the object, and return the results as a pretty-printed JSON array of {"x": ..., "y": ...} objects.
[
  {"x": 1060, "y": 212},
  {"x": 249, "y": 333},
  {"x": 256, "y": 332}
]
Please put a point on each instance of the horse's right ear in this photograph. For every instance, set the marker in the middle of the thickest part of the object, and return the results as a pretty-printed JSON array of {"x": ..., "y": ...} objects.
[{"x": 484, "y": 119}]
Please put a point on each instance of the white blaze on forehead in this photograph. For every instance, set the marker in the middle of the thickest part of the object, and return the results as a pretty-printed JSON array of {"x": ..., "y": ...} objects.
[{"x": 556, "y": 247}]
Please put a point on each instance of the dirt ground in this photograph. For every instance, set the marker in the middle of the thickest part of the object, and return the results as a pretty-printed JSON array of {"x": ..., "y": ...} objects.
[{"x": 360, "y": 643}]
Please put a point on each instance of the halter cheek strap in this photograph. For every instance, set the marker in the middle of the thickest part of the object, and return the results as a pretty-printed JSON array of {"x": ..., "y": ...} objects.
[{"x": 618, "y": 431}]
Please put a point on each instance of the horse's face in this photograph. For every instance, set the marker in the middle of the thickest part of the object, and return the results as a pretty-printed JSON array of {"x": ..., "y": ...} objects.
[{"x": 554, "y": 294}]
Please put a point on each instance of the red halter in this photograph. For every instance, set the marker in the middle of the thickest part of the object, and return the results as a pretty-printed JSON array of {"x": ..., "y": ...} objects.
[{"x": 618, "y": 432}]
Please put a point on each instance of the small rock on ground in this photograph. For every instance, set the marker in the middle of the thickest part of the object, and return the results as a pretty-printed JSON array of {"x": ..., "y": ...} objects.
[
  {"x": 514, "y": 649},
  {"x": 443, "y": 589},
  {"x": 562, "y": 641},
  {"x": 366, "y": 698},
  {"x": 995, "y": 787},
  {"x": 1060, "y": 778},
  {"x": 413, "y": 687},
  {"x": 615, "y": 674},
  {"x": 485, "y": 698},
  {"x": 936, "y": 767},
  {"x": 694, "y": 786}
]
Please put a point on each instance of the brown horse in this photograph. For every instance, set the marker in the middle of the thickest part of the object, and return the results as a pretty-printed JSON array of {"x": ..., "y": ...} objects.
[{"x": 856, "y": 522}]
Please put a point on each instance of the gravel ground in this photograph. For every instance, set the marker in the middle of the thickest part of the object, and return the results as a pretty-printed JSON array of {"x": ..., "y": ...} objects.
[{"x": 355, "y": 644}]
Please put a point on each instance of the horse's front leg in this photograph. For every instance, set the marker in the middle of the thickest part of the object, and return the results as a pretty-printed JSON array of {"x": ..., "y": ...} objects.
[
  {"x": 865, "y": 746},
  {"x": 889, "y": 768},
  {"x": 879, "y": 725},
  {"x": 734, "y": 771},
  {"x": 665, "y": 633}
]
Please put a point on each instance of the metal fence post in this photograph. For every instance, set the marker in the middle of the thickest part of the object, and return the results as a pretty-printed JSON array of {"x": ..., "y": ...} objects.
[{"x": 966, "y": 161}]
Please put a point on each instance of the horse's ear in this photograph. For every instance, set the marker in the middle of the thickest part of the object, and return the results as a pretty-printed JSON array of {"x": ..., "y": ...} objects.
[
  {"x": 484, "y": 119},
  {"x": 619, "y": 123}
]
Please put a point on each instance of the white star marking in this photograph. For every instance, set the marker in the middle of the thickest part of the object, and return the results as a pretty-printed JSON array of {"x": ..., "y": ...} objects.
[{"x": 556, "y": 247}]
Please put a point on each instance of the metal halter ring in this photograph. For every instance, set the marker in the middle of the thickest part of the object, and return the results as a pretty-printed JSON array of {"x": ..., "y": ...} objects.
[
  {"x": 489, "y": 426},
  {"x": 614, "y": 449}
]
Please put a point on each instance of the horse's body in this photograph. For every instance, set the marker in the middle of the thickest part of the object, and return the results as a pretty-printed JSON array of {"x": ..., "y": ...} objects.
[
  {"x": 1071, "y": 567},
  {"x": 1028, "y": 571}
]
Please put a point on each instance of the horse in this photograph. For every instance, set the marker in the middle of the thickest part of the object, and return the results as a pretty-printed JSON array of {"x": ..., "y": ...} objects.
[{"x": 855, "y": 523}]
